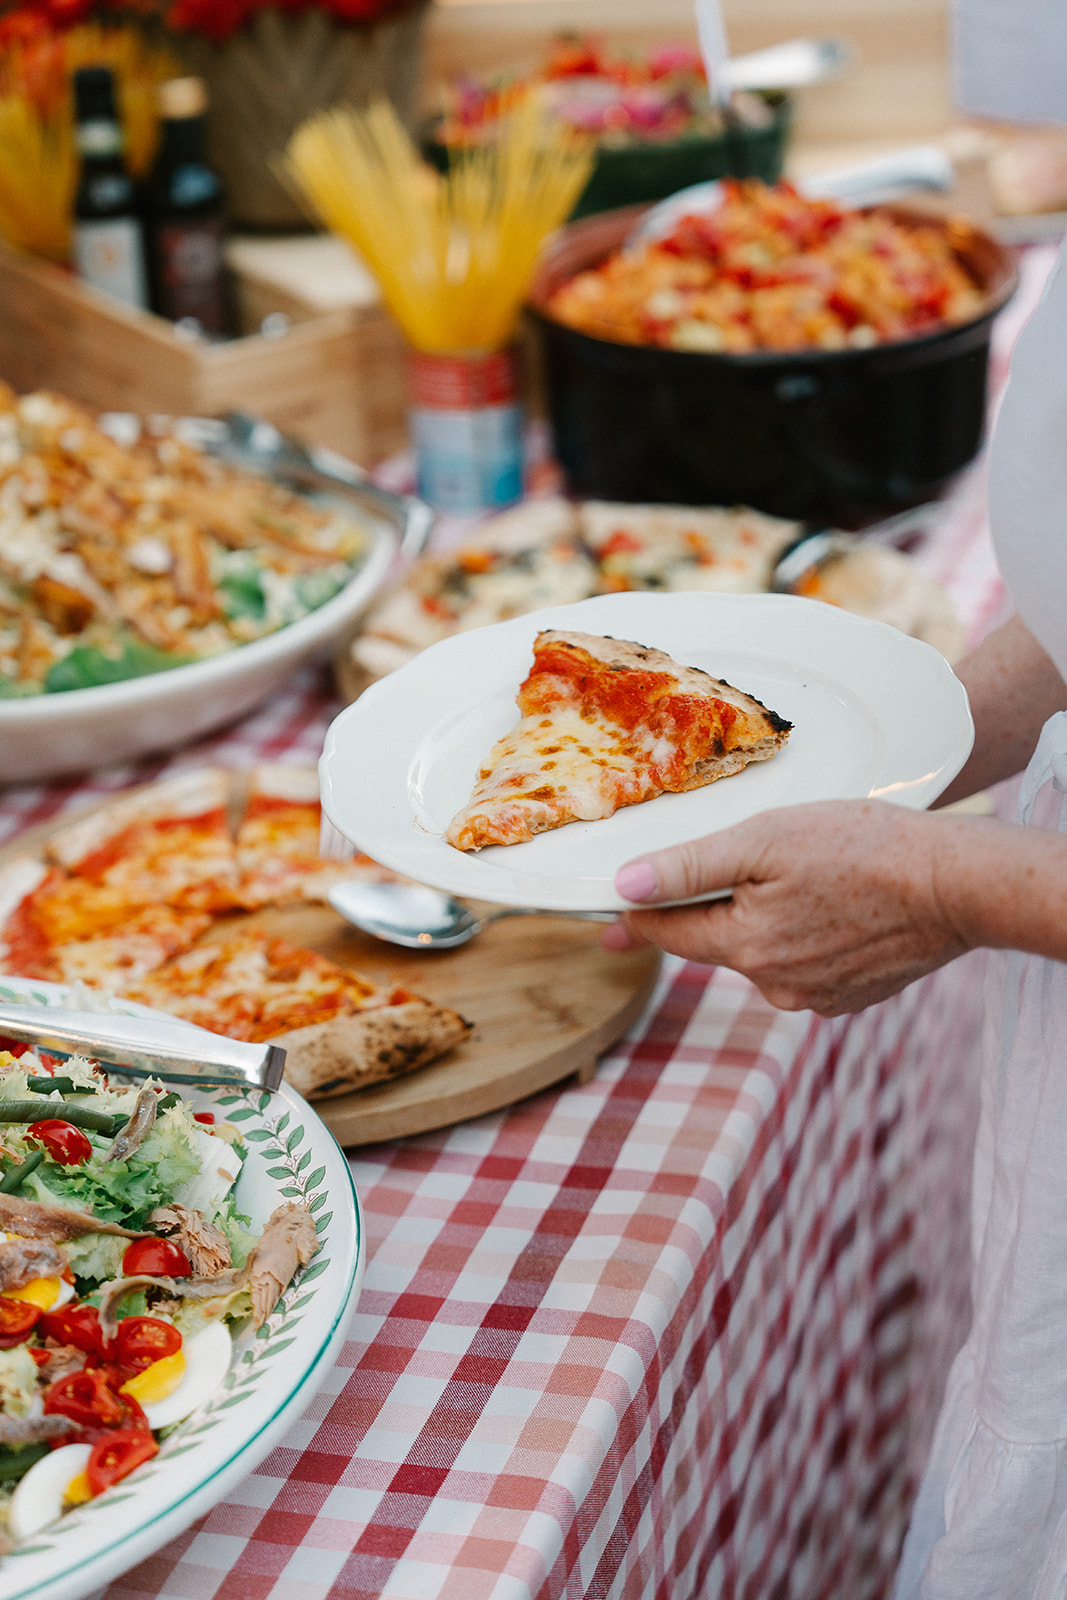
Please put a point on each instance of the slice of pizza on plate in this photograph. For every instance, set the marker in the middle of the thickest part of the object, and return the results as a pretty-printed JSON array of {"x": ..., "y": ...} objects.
[
  {"x": 608, "y": 723},
  {"x": 339, "y": 1030}
]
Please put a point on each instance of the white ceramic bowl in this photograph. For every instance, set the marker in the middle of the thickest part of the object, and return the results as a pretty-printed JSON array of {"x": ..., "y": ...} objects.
[{"x": 82, "y": 728}]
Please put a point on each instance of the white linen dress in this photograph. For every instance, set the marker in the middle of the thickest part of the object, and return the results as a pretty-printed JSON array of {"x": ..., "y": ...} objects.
[{"x": 990, "y": 1521}]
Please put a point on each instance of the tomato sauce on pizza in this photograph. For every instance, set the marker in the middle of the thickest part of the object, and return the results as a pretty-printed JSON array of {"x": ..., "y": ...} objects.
[{"x": 608, "y": 723}]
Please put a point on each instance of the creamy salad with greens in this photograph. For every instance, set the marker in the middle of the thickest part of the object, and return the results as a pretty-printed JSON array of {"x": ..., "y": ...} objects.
[{"x": 120, "y": 559}]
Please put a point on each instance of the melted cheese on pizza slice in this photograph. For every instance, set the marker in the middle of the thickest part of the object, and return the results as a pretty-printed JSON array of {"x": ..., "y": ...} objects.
[
  {"x": 278, "y": 842},
  {"x": 66, "y": 930},
  {"x": 170, "y": 844},
  {"x": 255, "y": 987},
  {"x": 608, "y": 723}
]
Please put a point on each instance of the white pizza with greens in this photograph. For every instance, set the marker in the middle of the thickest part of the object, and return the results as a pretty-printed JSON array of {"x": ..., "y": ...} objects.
[{"x": 124, "y": 1265}]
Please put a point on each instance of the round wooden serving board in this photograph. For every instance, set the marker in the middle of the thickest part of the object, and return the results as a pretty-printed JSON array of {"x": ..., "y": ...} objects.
[{"x": 545, "y": 1000}]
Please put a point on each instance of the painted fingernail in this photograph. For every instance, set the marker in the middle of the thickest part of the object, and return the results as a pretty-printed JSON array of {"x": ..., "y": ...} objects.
[{"x": 636, "y": 881}]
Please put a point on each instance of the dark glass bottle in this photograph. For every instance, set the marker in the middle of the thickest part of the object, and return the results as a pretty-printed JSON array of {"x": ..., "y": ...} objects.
[
  {"x": 185, "y": 213},
  {"x": 108, "y": 235}
]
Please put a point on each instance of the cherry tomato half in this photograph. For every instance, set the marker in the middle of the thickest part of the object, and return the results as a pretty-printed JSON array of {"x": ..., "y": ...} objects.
[
  {"x": 156, "y": 1258},
  {"x": 139, "y": 1341},
  {"x": 67, "y": 1145},
  {"x": 86, "y": 1398},
  {"x": 206, "y": 1117},
  {"x": 76, "y": 1325},
  {"x": 112, "y": 1458},
  {"x": 17, "y": 1321}
]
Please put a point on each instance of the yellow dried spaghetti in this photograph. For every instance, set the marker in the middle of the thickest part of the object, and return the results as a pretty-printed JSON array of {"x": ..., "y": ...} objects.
[
  {"x": 453, "y": 255},
  {"x": 38, "y": 161},
  {"x": 38, "y": 173}
]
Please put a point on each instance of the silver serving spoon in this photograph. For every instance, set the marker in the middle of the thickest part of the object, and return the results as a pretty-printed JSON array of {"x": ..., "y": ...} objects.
[
  {"x": 421, "y": 918},
  {"x": 794, "y": 64},
  {"x": 887, "y": 177}
]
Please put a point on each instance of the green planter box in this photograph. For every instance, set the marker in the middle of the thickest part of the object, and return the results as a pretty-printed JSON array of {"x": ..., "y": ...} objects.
[{"x": 636, "y": 173}]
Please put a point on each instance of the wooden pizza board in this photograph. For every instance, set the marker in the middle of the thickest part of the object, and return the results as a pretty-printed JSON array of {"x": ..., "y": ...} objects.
[{"x": 545, "y": 1000}]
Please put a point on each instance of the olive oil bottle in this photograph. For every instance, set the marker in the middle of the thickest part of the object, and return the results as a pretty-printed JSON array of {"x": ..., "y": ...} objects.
[
  {"x": 108, "y": 236},
  {"x": 185, "y": 215}
]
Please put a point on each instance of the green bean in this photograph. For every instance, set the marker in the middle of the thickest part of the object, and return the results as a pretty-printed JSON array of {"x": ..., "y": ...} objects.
[
  {"x": 16, "y": 1463},
  {"x": 13, "y": 1180},
  {"x": 80, "y": 1116},
  {"x": 64, "y": 1085}
]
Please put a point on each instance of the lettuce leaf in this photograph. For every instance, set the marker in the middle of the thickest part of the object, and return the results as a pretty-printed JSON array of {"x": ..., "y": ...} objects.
[
  {"x": 96, "y": 1256},
  {"x": 242, "y": 593},
  {"x": 86, "y": 667},
  {"x": 124, "y": 1191},
  {"x": 235, "y": 1226}
]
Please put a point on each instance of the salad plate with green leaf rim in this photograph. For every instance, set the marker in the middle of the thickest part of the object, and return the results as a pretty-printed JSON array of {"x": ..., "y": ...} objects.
[{"x": 274, "y": 1371}]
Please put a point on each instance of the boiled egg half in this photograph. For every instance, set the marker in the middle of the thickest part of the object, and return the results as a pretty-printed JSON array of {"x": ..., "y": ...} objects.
[
  {"x": 52, "y": 1486},
  {"x": 172, "y": 1387},
  {"x": 47, "y": 1293}
]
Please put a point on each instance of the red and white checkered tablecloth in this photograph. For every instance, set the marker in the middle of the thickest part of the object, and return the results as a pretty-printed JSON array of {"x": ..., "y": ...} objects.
[{"x": 677, "y": 1333}]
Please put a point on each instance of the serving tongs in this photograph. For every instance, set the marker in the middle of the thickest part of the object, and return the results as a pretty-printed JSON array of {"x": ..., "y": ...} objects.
[
  {"x": 145, "y": 1047},
  {"x": 257, "y": 445}
]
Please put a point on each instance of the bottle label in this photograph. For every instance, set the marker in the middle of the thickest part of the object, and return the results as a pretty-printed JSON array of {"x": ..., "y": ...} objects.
[
  {"x": 190, "y": 273},
  {"x": 98, "y": 137},
  {"x": 109, "y": 255}
]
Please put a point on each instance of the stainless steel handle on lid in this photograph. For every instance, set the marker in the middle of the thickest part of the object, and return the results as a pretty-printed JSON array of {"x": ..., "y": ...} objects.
[{"x": 145, "y": 1047}]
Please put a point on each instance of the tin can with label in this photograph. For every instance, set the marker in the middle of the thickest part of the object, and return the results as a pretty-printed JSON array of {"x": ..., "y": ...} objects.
[{"x": 467, "y": 427}]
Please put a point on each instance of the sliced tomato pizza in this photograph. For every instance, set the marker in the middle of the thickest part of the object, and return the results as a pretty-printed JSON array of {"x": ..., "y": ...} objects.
[
  {"x": 123, "y": 889},
  {"x": 146, "y": 898},
  {"x": 339, "y": 1030},
  {"x": 66, "y": 929},
  {"x": 608, "y": 723},
  {"x": 170, "y": 844},
  {"x": 277, "y": 841}
]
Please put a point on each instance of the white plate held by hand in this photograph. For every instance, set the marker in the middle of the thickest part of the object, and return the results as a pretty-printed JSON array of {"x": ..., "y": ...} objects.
[{"x": 874, "y": 713}]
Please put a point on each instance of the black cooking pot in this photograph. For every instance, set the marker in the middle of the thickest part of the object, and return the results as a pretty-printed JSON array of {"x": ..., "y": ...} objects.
[{"x": 827, "y": 435}]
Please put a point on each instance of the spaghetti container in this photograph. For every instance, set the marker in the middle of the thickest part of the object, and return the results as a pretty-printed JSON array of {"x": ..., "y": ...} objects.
[{"x": 467, "y": 428}]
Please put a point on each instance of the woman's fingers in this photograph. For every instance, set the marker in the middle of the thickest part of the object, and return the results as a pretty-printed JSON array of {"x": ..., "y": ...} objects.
[
  {"x": 619, "y": 936},
  {"x": 698, "y": 867},
  {"x": 831, "y": 905}
]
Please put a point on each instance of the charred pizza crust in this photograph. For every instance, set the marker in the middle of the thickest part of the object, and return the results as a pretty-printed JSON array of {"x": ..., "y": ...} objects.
[
  {"x": 589, "y": 743},
  {"x": 626, "y": 655},
  {"x": 157, "y": 951},
  {"x": 353, "y": 1052}
]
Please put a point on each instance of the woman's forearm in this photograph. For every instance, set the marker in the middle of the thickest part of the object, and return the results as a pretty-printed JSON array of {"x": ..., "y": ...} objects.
[
  {"x": 837, "y": 905},
  {"x": 1003, "y": 886},
  {"x": 1013, "y": 687}
]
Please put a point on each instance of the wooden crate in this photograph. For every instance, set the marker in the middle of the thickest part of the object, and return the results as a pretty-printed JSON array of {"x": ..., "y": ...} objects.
[{"x": 335, "y": 379}]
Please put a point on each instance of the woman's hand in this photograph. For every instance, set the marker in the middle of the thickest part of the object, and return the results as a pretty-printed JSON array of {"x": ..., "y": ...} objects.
[{"x": 834, "y": 906}]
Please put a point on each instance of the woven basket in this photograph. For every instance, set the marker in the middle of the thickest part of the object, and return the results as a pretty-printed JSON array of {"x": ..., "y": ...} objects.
[{"x": 269, "y": 78}]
